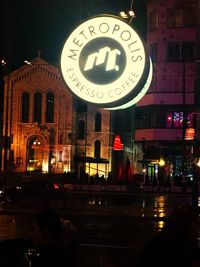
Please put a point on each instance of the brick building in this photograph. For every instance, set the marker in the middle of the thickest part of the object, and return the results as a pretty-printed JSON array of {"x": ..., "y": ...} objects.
[{"x": 46, "y": 129}]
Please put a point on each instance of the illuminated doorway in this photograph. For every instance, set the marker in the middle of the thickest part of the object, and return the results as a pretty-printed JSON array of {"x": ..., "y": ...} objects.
[{"x": 35, "y": 154}]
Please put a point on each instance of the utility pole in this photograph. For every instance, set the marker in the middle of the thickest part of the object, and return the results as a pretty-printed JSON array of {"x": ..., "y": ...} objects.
[
  {"x": 195, "y": 184},
  {"x": 184, "y": 110},
  {"x": 1, "y": 109}
]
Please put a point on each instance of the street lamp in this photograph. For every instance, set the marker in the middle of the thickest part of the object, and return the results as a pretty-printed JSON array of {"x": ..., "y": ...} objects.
[
  {"x": 28, "y": 62},
  {"x": 162, "y": 162},
  {"x": 130, "y": 14},
  {"x": 3, "y": 62}
]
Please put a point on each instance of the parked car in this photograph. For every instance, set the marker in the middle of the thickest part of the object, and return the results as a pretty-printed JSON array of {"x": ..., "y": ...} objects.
[{"x": 31, "y": 189}]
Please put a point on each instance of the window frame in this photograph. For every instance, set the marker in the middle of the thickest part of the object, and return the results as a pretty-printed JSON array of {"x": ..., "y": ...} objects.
[
  {"x": 37, "y": 107},
  {"x": 25, "y": 108},
  {"x": 181, "y": 17},
  {"x": 50, "y": 104}
]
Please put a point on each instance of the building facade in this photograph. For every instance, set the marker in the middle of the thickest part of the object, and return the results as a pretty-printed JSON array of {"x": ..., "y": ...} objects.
[
  {"x": 46, "y": 129},
  {"x": 166, "y": 116}
]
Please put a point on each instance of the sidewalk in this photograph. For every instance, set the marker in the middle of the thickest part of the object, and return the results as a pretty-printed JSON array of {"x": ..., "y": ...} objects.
[{"x": 182, "y": 189}]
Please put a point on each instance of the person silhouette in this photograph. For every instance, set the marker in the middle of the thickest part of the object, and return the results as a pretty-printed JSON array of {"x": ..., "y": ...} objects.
[
  {"x": 177, "y": 243},
  {"x": 54, "y": 241}
]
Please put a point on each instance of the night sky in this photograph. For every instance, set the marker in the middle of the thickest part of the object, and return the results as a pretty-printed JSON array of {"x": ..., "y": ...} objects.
[{"x": 32, "y": 25}]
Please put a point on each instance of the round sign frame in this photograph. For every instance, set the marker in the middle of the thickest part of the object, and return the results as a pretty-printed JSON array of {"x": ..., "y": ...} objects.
[{"x": 104, "y": 62}]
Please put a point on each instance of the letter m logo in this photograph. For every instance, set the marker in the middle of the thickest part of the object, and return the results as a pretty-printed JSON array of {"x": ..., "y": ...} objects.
[{"x": 103, "y": 56}]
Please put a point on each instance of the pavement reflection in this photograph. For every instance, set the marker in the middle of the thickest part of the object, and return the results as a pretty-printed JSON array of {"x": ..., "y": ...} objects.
[{"x": 114, "y": 225}]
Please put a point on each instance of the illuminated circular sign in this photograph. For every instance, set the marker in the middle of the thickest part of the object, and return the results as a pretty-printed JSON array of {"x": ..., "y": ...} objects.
[
  {"x": 140, "y": 94},
  {"x": 104, "y": 62}
]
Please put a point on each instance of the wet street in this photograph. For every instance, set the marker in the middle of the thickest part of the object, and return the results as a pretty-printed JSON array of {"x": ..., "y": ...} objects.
[{"x": 112, "y": 227}]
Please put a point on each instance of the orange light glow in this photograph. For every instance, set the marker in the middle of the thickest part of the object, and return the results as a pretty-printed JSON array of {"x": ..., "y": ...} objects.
[{"x": 189, "y": 134}]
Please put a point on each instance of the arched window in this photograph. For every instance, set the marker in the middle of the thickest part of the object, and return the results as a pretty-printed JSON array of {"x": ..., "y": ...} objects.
[
  {"x": 98, "y": 122},
  {"x": 81, "y": 129},
  {"x": 49, "y": 107},
  {"x": 25, "y": 107},
  {"x": 37, "y": 107},
  {"x": 97, "y": 149}
]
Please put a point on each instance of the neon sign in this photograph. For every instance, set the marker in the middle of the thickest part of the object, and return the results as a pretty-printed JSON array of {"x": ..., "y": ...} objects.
[{"x": 104, "y": 62}]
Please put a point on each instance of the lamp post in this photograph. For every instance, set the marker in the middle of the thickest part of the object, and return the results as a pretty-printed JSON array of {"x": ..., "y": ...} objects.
[
  {"x": 7, "y": 131},
  {"x": 5, "y": 134},
  {"x": 184, "y": 125},
  {"x": 5, "y": 158},
  {"x": 195, "y": 184},
  {"x": 3, "y": 63}
]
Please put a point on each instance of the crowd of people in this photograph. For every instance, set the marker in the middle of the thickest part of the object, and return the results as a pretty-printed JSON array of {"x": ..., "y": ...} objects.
[{"x": 97, "y": 179}]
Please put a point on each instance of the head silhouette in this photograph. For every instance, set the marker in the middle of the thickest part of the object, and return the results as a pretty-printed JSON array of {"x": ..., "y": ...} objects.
[
  {"x": 183, "y": 222},
  {"x": 48, "y": 228}
]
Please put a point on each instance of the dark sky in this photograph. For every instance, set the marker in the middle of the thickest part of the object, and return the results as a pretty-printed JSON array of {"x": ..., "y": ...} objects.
[{"x": 32, "y": 25}]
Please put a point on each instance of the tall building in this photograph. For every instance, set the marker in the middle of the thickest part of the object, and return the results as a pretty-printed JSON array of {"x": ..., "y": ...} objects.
[{"x": 166, "y": 115}]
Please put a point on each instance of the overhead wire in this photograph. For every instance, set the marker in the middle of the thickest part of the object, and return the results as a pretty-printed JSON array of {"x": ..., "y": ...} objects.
[{"x": 131, "y": 12}]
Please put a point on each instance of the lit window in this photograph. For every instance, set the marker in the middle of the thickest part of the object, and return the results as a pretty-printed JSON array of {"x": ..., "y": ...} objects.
[
  {"x": 181, "y": 17},
  {"x": 190, "y": 120},
  {"x": 175, "y": 120},
  {"x": 178, "y": 119},
  {"x": 60, "y": 156},
  {"x": 153, "y": 20},
  {"x": 169, "y": 120}
]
